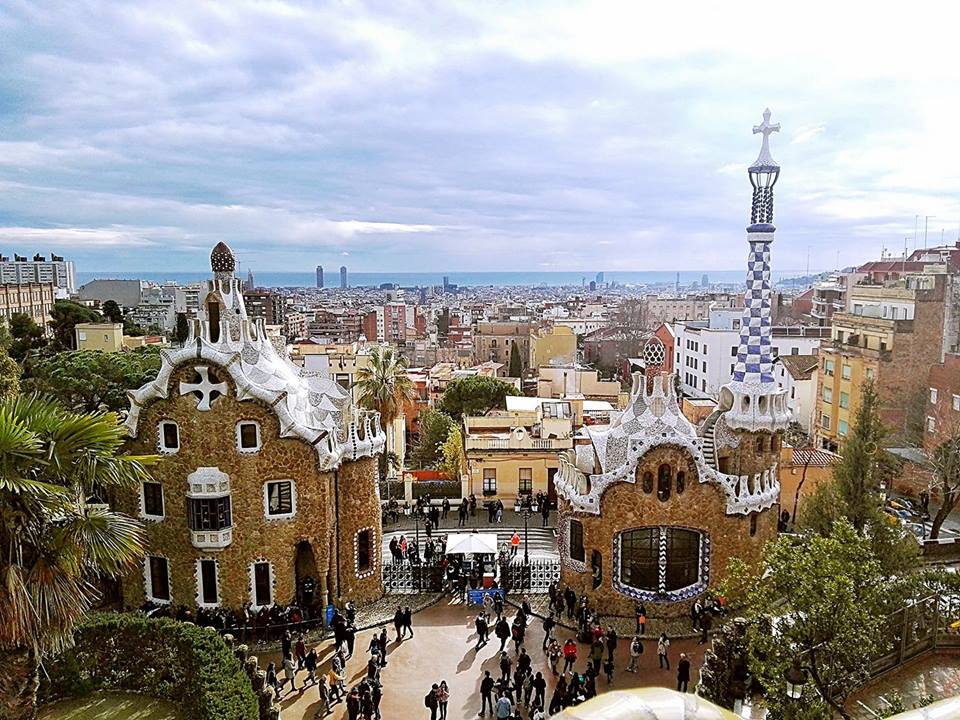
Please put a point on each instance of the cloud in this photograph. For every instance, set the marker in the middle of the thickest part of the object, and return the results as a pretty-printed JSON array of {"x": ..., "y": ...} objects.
[{"x": 418, "y": 136}]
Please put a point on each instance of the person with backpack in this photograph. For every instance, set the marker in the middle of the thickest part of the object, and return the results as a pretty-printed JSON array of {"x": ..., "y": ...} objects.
[
  {"x": 505, "y": 665},
  {"x": 430, "y": 701},
  {"x": 636, "y": 650},
  {"x": 502, "y": 631},
  {"x": 517, "y": 632}
]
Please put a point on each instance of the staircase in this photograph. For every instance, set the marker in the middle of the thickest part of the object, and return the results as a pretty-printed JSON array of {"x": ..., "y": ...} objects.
[{"x": 709, "y": 442}]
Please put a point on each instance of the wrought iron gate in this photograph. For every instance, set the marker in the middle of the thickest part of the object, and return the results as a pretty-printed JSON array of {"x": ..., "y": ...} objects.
[{"x": 533, "y": 576}]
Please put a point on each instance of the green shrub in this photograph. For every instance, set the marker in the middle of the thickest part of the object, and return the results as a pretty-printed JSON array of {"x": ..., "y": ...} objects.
[{"x": 162, "y": 658}]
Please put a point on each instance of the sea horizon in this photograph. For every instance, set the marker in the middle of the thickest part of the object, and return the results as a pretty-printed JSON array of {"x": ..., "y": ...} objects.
[{"x": 292, "y": 279}]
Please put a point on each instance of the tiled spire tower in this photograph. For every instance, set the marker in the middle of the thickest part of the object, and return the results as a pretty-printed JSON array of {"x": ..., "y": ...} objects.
[{"x": 753, "y": 400}]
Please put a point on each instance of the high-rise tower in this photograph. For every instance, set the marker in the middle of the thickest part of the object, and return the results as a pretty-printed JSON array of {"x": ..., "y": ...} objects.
[
  {"x": 752, "y": 400},
  {"x": 343, "y": 277},
  {"x": 319, "y": 276}
]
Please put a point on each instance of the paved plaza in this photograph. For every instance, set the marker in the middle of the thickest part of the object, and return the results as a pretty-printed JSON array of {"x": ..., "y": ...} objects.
[{"x": 443, "y": 649}]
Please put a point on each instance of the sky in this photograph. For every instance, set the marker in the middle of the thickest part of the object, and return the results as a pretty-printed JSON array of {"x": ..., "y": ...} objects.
[{"x": 485, "y": 135}]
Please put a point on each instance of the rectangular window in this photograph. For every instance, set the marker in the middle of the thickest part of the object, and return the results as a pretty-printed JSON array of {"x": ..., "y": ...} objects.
[
  {"x": 576, "y": 541},
  {"x": 869, "y": 373},
  {"x": 248, "y": 436},
  {"x": 733, "y": 351},
  {"x": 279, "y": 497},
  {"x": 209, "y": 513},
  {"x": 704, "y": 368},
  {"x": 732, "y": 367},
  {"x": 169, "y": 436},
  {"x": 825, "y": 422},
  {"x": 794, "y": 351},
  {"x": 153, "y": 499},
  {"x": 208, "y": 582},
  {"x": 262, "y": 587},
  {"x": 845, "y": 372},
  {"x": 159, "y": 579},
  {"x": 842, "y": 428},
  {"x": 363, "y": 551},
  {"x": 844, "y": 400},
  {"x": 827, "y": 395},
  {"x": 525, "y": 480},
  {"x": 828, "y": 367},
  {"x": 933, "y": 395},
  {"x": 489, "y": 481},
  {"x": 776, "y": 350},
  {"x": 956, "y": 402},
  {"x": 931, "y": 425}
]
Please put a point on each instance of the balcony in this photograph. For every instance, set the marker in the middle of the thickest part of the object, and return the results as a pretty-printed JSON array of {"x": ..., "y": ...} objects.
[
  {"x": 211, "y": 539},
  {"x": 517, "y": 443}
]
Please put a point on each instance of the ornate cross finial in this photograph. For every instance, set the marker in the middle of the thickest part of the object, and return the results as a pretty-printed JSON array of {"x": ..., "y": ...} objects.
[
  {"x": 205, "y": 389},
  {"x": 766, "y": 127}
]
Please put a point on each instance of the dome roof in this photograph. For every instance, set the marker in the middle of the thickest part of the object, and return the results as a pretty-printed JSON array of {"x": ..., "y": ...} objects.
[{"x": 222, "y": 259}]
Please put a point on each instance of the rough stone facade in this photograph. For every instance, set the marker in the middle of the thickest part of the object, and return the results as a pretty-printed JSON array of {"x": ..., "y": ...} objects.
[
  {"x": 701, "y": 506},
  {"x": 208, "y": 439}
]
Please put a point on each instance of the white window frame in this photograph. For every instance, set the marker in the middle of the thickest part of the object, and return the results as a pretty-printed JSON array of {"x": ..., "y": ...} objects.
[
  {"x": 956, "y": 402},
  {"x": 144, "y": 515},
  {"x": 216, "y": 582},
  {"x": 931, "y": 424},
  {"x": 934, "y": 395},
  {"x": 256, "y": 448},
  {"x": 266, "y": 500},
  {"x": 161, "y": 445},
  {"x": 148, "y": 581},
  {"x": 841, "y": 430},
  {"x": 253, "y": 582},
  {"x": 846, "y": 371}
]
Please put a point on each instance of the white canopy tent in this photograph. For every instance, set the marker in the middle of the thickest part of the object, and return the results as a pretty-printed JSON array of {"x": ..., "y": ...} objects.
[{"x": 471, "y": 543}]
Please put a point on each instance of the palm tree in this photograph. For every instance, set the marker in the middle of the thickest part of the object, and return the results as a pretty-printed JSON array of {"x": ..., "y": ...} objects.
[
  {"x": 384, "y": 386},
  {"x": 57, "y": 539}
]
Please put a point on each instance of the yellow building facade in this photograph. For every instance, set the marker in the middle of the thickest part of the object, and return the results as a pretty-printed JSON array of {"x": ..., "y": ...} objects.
[
  {"x": 106, "y": 337},
  {"x": 552, "y": 346}
]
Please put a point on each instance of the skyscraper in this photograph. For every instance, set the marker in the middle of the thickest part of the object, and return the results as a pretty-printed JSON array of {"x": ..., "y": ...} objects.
[
  {"x": 319, "y": 276},
  {"x": 600, "y": 278},
  {"x": 343, "y": 277}
]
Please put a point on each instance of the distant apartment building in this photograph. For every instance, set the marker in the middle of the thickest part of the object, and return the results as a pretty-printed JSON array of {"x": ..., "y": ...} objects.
[
  {"x": 706, "y": 351},
  {"x": 659, "y": 310},
  {"x": 494, "y": 340},
  {"x": 552, "y": 345},
  {"x": 296, "y": 325},
  {"x": 125, "y": 293},
  {"x": 56, "y": 271},
  {"x": 265, "y": 304},
  {"x": 575, "y": 381},
  {"x": 33, "y": 299},
  {"x": 892, "y": 336},
  {"x": 105, "y": 337},
  {"x": 797, "y": 374},
  {"x": 829, "y": 296},
  {"x": 942, "y": 415},
  {"x": 609, "y": 347},
  {"x": 583, "y": 325},
  {"x": 388, "y": 323},
  {"x": 337, "y": 325}
]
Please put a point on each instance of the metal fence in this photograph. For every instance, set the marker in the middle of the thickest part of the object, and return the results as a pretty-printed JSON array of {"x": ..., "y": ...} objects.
[
  {"x": 404, "y": 578},
  {"x": 533, "y": 576}
]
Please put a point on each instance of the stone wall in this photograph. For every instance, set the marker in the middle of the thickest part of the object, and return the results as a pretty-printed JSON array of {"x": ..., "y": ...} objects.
[
  {"x": 699, "y": 507},
  {"x": 359, "y": 504},
  {"x": 208, "y": 439}
]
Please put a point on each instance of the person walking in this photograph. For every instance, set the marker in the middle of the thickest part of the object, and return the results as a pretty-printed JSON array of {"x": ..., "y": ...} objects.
[
  {"x": 430, "y": 701},
  {"x": 486, "y": 693},
  {"x": 570, "y": 597},
  {"x": 335, "y": 681},
  {"x": 636, "y": 650},
  {"x": 482, "y": 630},
  {"x": 612, "y": 641},
  {"x": 376, "y": 695},
  {"x": 408, "y": 620},
  {"x": 324, "y": 698},
  {"x": 272, "y": 679},
  {"x": 300, "y": 651},
  {"x": 545, "y": 512},
  {"x": 641, "y": 612},
  {"x": 398, "y": 623},
  {"x": 540, "y": 689},
  {"x": 683, "y": 673},
  {"x": 443, "y": 697},
  {"x": 498, "y": 603},
  {"x": 548, "y": 624},
  {"x": 569, "y": 654},
  {"x": 502, "y": 631},
  {"x": 382, "y": 641},
  {"x": 504, "y": 708},
  {"x": 351, "y": 638},
  {"x": 559, "y": 693},
  {"x": 706, "y": 622},
  {"x": 514, "y": 543},
  {"x": 505, "y": 665},
  {"x": 608, "y": 670},
  {"x": 462, "y": 514},
  {"x": 663, "y": 645},
  {"x": 289, "y": 674},
  {"x": 517, "y": 632},
  {"x": 446, "y": 509},
  {"x": 353, "y": 704},
  {"x": 310, "y": 663},
  {"x": 696, "y": 610},
  {"x": 553, "y": 655}
]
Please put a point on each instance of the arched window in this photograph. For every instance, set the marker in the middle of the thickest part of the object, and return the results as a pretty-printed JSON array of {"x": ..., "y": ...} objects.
[
  {"x": 753, "y": 524},
  {"x": 213, "y": 317},
  {"x": 640, "y": 553},
  {"x": 681, "y": 481},
  {"x": 664, "y": 478},
  {"x": 364, "y": 554},
  {"x": 648, "y": 482}
]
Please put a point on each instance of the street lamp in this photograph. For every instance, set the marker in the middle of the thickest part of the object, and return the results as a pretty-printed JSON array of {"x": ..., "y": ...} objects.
[
  {"x": 416, "y": 520},
  {"x": 796, "y": 678}
]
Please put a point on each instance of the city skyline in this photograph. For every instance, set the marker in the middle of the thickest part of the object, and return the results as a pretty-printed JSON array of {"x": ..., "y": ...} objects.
[{"x": 587, "y": 140}]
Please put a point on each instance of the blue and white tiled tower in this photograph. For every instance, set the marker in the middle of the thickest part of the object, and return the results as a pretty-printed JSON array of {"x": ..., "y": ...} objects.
[{"x": 752, "y": 400}]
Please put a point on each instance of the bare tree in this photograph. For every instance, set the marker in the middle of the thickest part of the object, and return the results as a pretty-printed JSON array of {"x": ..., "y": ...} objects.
[{"x": 944, "y": 461}]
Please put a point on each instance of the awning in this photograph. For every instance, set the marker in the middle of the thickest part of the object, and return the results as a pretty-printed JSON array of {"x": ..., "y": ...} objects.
[{"x": 471, "y": 543}]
